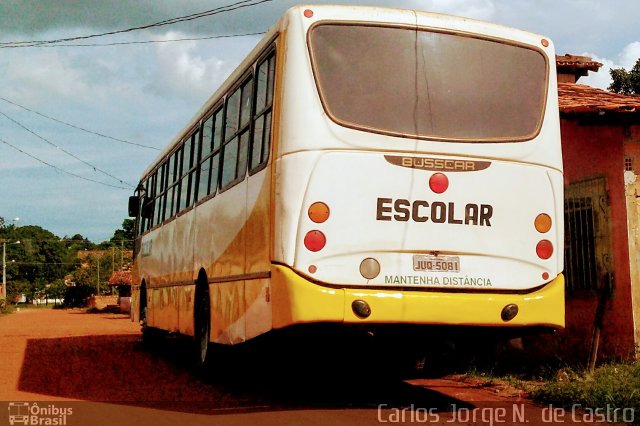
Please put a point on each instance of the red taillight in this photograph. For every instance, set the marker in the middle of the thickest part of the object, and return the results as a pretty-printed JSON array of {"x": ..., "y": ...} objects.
[
  {"x": 315, "y": 241},
  {"x": 544, "y": 249},
  {"x": 438, "y": 183}
]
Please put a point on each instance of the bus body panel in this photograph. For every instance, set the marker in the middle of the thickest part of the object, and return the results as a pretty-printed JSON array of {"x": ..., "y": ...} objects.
[
  {"x": 388, "y": 212},
  {"x": 298, "y": 301},
  {"x": 240, "y": 309}
]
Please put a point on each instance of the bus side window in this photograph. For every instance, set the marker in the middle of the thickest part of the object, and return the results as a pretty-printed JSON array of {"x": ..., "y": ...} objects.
[
  {"x": 210, "y": 154},
  {"x": 171, "y": 185},
  {"x": 186, "y": 161},
  {"x": 165, "y": 192},
  {"x": 141, "y": 225},
  {"x": 147, "y": 209},
  {"x": 158, "y": 195},
  {"x": 262, "y": 115},
  {"x": 230, "y": 147},
  {"x": 237, "y": 133},
  {"x": 193, "y": 168},
  {"x": 245, "y": 127}
]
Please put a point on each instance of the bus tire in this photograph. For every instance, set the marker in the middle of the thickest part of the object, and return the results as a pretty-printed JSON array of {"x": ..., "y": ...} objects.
[{"x": 202, "y": 324}]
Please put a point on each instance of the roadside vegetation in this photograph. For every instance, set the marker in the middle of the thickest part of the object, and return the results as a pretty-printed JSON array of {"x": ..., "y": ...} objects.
[
  {"x": 44, "y": 267},
  {"x": 5, "y": 308},
  {"x": 610, "y": 387}
]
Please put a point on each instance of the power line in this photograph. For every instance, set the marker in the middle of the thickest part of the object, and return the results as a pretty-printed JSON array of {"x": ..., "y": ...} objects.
[
  {"x": 222, "y": 9},
  {"x": 95, "y": 168},
  {"x": 152, "y": 41},
  {"x": 59, "y": 169},
  {"x": 77, "y": 127}
]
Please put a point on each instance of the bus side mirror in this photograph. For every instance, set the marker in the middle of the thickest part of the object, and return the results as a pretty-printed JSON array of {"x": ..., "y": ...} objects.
[{"x": 134, "y": 206}]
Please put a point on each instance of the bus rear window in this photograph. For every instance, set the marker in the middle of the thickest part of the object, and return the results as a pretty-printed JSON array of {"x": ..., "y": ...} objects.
[{"x": 428, "y": 84}]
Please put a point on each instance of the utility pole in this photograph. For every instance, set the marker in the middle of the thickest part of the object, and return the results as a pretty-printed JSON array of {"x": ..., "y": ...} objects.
[
  {"x": 3, "y": 296},
  {"x": 98, "y": 286}
]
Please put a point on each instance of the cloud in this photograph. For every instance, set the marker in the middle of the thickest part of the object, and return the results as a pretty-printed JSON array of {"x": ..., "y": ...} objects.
[
  {"x": 45, "y": 73},
  {"x": 192, "y": 70},
  {"x": 181, "y": 69},
  {"x": 625, "y": 59},
  {"x": 630, "y": 55}
]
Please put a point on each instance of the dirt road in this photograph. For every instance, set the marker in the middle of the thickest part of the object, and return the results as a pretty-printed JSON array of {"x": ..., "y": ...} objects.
[{"x": 91, "y": 369}]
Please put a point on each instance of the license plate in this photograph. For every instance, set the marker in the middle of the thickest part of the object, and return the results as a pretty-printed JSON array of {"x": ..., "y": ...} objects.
[{"x": 436, "y": 263}]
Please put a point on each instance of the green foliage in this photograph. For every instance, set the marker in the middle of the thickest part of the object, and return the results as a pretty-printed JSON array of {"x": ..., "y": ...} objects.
[
  {"x": 56, "y": 290},
  {"x": 5, "y": 308},
  {"x": 34, "y": 256},
  {"x": 38, "y": 262},
  {"x": 617, "y": 385},
  {"x": 122, "y": 238},
  {"x": 76, "y": 296},
  {"x": 626, "y": 82},
  {"x": 95, "y": 271},
  {"x": 15, "y": 288}
]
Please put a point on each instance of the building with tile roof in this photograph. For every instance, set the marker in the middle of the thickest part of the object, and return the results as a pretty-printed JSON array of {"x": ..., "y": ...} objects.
[{"x": 600, "y": 134}]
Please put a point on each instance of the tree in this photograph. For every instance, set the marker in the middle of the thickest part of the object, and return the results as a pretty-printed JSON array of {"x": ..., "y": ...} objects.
[
  {"x": 95, "y": 272},
  {"x": 125, "y": 234},
  {"x": 56, "y": 290},
  {"x": 39, "y": 259},
  {"x": 626, "y": 82}
]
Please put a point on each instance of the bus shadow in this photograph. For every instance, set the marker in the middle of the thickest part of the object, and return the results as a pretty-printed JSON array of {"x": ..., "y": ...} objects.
[{"x": 120, "y": 369}]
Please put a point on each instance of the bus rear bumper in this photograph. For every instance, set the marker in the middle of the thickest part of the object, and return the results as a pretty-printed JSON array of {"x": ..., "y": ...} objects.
[{"x": 296, "y": 300}]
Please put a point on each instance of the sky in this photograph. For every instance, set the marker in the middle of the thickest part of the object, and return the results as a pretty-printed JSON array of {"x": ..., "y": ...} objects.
[{"x": 141, "y": 94}]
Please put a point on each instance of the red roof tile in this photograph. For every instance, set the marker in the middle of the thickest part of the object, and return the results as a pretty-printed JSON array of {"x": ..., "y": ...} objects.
[
  {"x": 578, "y": 98},
  {"x": 574, "y": 62}
]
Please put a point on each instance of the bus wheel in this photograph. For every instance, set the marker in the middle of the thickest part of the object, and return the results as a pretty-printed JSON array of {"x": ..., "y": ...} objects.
[{"x": 202, "y": 325}]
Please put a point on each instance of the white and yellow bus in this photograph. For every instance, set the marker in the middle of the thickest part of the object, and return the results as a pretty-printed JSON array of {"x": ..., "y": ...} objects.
[{"x": 362, "y": 166}]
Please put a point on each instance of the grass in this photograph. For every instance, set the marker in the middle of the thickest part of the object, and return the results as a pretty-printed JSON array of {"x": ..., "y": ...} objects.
[
  {"x": 611, "y": 386},
  {"x": 8, "y": 308},
  {"x": 615, "y": 385}
]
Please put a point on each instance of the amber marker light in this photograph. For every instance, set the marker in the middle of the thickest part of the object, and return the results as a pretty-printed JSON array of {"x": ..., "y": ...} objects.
[
  {"x": 308, "y": 13},
  {"x": 438, "y": 183},
  {"x": 319, "y": 212},
  {"x": 313, "y": 269},
  {"x": 544, "y": 42},
  {"x": 315, "y": 241},
  {"x": 543, "y": 223},
  {"x": 544, "y": 249}
]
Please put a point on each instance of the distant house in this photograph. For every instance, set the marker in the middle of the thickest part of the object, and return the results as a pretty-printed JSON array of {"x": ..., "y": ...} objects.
[
  {"x": 121, "y": 280},
  {"x": 601, "y": 148}
]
